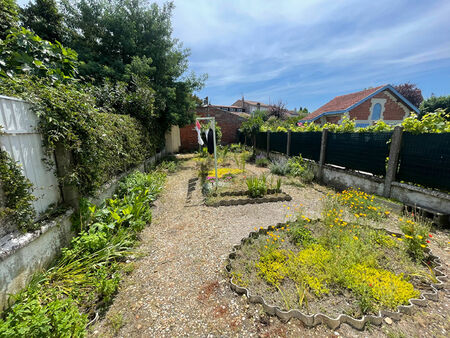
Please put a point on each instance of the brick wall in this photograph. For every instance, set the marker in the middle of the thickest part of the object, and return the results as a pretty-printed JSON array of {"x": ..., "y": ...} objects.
[
  {"x": 394, "y": 109},
  {"x": 333, "y": 118},
  {"x": 228, "y": 122}
]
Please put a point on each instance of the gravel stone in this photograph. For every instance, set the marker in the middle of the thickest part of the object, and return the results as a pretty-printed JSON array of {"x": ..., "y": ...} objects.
[{"x": 179, "y": 286}]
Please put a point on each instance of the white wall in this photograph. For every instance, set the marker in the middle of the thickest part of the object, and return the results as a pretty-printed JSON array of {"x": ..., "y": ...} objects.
[{"x": 22, "y": 141}]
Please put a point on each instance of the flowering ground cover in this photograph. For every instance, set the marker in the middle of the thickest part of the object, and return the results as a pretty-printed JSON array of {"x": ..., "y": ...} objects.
[{"x": 337, "y": 263}]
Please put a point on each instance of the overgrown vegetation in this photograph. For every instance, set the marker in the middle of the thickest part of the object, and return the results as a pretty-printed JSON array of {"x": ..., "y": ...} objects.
[
  {"x": 295, "y": 166},
  {"x": 101, "y": 144},
  {"x": 437, "y": 121},
  {"x": 17, "y": 190},
  {"x": 338, "y": 259},
  {"x": 83, "y": 281}
]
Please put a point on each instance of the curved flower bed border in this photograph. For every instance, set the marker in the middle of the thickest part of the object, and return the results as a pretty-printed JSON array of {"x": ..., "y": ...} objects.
[
  {"x": 333, "y": 323},
  {"x": 249, "y": 200}
]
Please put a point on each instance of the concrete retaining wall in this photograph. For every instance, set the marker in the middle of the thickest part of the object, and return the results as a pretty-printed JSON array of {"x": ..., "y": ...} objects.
[{"x": 22, "y": 255}]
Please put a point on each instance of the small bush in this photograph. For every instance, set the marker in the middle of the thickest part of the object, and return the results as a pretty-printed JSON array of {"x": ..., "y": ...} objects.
[
  {"x": 298, "y": 167},
  {"x": 262, "y": 161},
  {"x": 280, "y": 167}
]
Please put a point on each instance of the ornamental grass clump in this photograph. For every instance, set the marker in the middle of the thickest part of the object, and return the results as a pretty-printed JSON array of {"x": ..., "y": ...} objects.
[{"x": 257, "y": 186}]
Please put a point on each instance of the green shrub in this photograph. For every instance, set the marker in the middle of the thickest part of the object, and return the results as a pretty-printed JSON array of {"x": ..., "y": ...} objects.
[
  {"x": 298, "y": 167},
  {"x": 279, "y": 167},
  {"x": 17, "y": 189},
  {"x": 262, "y": 161},
  {"x": 301, "y": 235},
  {"x": 257, "y": 186}
]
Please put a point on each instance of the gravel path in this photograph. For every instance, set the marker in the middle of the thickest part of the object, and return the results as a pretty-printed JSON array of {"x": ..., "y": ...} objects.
[{"x": 179, "y": 287}]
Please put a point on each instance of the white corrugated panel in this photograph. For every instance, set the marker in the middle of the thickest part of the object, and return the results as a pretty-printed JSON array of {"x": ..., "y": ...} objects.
[{"x": 22, "y": 141}]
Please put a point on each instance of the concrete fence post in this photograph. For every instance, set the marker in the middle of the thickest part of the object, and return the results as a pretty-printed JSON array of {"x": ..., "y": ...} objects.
[
  {"x": 70, "y": 193},
  {"x": 268, "y": 143},
  {"x": 323, "y": 153},
  {"x": 288, "y": 143},
  {"x": 394, "y": 154}
]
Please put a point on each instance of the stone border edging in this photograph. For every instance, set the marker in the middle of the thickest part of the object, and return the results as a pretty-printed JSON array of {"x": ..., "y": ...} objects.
[
  {"x": 243, "y": 192},
  {"x": 250, "y": 200},
  {"x": 333, "y": 323}
]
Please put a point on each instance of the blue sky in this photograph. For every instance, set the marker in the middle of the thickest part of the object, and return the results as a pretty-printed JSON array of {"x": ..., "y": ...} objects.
[{"x": 307, "y": 52}]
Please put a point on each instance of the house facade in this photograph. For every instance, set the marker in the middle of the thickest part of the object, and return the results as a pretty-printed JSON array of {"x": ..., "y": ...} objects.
[
  {"x": 250, "y": 106},
  {"x": 366, "y": 107}
]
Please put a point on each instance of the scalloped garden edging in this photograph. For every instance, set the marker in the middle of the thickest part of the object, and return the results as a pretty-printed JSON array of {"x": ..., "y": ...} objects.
[
  {"x": 333, "y": 323},
  {"x": 281, "y": 196}
]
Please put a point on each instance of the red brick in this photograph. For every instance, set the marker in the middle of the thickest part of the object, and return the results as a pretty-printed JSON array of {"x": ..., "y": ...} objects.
[{"x": 227, "y": 121}]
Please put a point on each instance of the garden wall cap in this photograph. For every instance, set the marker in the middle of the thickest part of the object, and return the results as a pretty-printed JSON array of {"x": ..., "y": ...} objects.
[{"x": 333, "y": 323}]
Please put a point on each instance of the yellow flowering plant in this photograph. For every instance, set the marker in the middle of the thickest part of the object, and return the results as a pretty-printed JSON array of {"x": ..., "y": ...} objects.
[{"x": 417, "y": 237}]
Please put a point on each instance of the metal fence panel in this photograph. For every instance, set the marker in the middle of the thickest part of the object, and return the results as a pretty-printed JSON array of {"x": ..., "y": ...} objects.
[
  {"x": 359, "y": 151},
  {"x": 425, "y": 160},
  {"x": 241, "y": 137},
  {"x": 261, "y": 140},
  {"x": 249, "y": 140},
  {"x": 306, "y": 144},
  {"x": 24, "y": 144},
  {"x": 278, "y": 142}
]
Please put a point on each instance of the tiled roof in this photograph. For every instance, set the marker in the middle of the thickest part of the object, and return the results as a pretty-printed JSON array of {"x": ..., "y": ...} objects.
[
  {"x": 254, "y": 103},
  {"x": 341, "y": 103}
]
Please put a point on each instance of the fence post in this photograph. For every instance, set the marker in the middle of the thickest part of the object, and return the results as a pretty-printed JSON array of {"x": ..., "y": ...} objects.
[
  {"x": 70, "y": 193},
  {"x": 288, "y": 146},
  {"x": 323, "y": 151},
  {"x": 268, "y": 143},
  {"x": 394, "y": 153}
]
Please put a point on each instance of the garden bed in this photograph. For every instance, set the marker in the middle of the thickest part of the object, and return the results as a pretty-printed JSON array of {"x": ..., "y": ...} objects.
[
  {"x": 333, "y": 310},
  {"x": 333, "y": 271},
  {"x": 242, "y": 197}
]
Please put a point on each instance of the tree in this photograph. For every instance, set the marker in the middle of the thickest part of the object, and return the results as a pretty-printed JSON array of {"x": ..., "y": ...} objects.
[
  {"x": 127, "y": 40},
  {"x": 433, "y": 103},
  {"x": 9, "y": 16},
  {"x": 44, "y": 18},
  {"x": 23, "y": 52},
  {"x": 278, "y": 110},
  {"x": 410, "y": 92}
]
